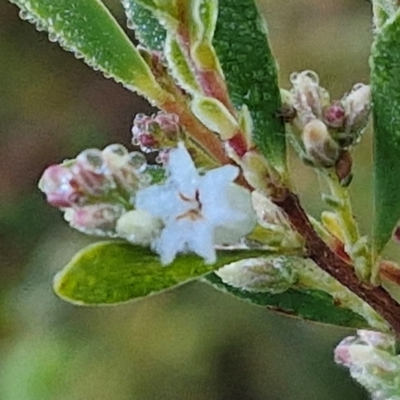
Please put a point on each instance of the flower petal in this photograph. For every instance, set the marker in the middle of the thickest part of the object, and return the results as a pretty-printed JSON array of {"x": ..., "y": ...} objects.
[{"x": 182, "y": 170}]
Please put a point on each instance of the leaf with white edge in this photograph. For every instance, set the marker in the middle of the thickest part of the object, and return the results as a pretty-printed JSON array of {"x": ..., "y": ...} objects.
[
  {"x": 87, "y": 28},
  {"x": 215, "y": 116},
  {"x": 385, "y": 63},
  {"x": 242, "y": 47},
  {"x": 313, "y": 305},
  {"x": 179, "y": 66},
  {"x": 116, "y": 272},
  {"x": 203, "y": 18}
]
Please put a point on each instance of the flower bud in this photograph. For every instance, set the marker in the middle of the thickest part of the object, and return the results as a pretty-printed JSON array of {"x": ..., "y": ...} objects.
[
  {"x": 90, "y": 173},
  {"x": 57, "y": 184},
  {"x": 357, "y": 105},
  {"x": 320, "y": 147},
  {"x": 269, "y": 274},
  {"x": 378, "y": 340},
  {"x": 155, "y": 132},
  {"x": 126, "y": 169},
  {"x": 96, "y": 188},
  {"x": 308, "y": 97},
  {"x": 372, "y": 361},
  {"x": 334, "y": 115},
  {"x": 96, "y": 219},
  {"x": 139, "y": 227}
]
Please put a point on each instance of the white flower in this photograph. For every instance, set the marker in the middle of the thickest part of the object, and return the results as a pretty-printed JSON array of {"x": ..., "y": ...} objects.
[{"x": 198, "y": 211}]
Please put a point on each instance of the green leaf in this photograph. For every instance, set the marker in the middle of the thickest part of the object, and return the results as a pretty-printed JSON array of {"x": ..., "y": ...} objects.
[
  {"x": 385, "y": 63},
  {"x": 242, "y": 47},
  {"x": 179, "y": 66},
  {"x": 115, "y": 272},
  {"x": 87, "y": 28},
  {"x": 147, "y": 28},
  {"x": 202, "y": 23},
  {"x": 313, "y": 305}
]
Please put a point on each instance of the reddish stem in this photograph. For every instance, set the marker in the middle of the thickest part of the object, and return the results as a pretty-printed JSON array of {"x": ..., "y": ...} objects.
[
  {"x": 208, "y": 140},
  {"x": 326, "y": 259}
]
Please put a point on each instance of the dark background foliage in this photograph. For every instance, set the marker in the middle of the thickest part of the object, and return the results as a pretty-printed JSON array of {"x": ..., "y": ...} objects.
[{"x": 192, "y": 343}]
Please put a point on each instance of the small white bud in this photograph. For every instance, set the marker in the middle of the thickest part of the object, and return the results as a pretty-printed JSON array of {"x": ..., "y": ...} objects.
[
  {"x": 307, "y": 97},
  {"x": 372, "y": 361},
  {"x": 357, "y": 105},
  {"x": 320, "y": 147},
  {"x": 139, "y": 227}
]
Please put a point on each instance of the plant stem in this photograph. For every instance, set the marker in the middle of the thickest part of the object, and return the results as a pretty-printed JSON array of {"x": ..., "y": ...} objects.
[
  {"x": 209, "y": 141},
  {"x": 355, "y": 245},
  {"x": 330, "y": 262}
]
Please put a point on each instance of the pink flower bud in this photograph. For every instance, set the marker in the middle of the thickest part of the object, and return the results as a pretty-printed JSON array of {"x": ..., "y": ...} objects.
[
  {"x": 372, "y": 361},
  {"x": 147, "y": 141},
  {"x": 334, "y": 115},
  {"x": 169, "y": 124},
  {"x": 58, "y": 185},
  {"x": 90, "y": 173},
  {"x": 99, "y": 219},
  {"x": 342, "y": 352},
  {"x": 156, "y": 132}
]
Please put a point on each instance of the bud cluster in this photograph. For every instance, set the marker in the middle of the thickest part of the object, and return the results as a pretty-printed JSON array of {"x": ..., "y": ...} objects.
[
  {"x": 328, "y": 128},
  {"x": 372, "y": 361},
  {"x": 96, "y": 188},
  {"x": 156, "y": 132}
]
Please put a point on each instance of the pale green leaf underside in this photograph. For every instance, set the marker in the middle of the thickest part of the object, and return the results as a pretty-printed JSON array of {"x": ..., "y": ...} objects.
[
  {"x": 115, "y": 272},
  {"x": 87, "y": 28},
  {"x": 313, "y": 305},
  {"x": 385, "y": 63}
]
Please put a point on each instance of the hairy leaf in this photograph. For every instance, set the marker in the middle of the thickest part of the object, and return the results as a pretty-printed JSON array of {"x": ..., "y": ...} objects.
[
  {"x": 179, "y": 66},
  {"x": 203, "y": 18},
  {"x": 314, "y": 305},
  {"x": 115, "y": 272},
  {"x": 385, "y": 63},
  {"x": 87, "y": 28},
  {"x": 147, "y": 28},
  {"x": 249, "y": 67}
]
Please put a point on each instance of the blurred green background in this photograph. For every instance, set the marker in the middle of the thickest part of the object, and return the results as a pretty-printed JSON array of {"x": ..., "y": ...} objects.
[{"x": 193, "y": 343}]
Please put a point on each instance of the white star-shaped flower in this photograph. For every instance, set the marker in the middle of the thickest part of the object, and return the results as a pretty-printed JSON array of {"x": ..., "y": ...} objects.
[{"x": 198, "y": 211}]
